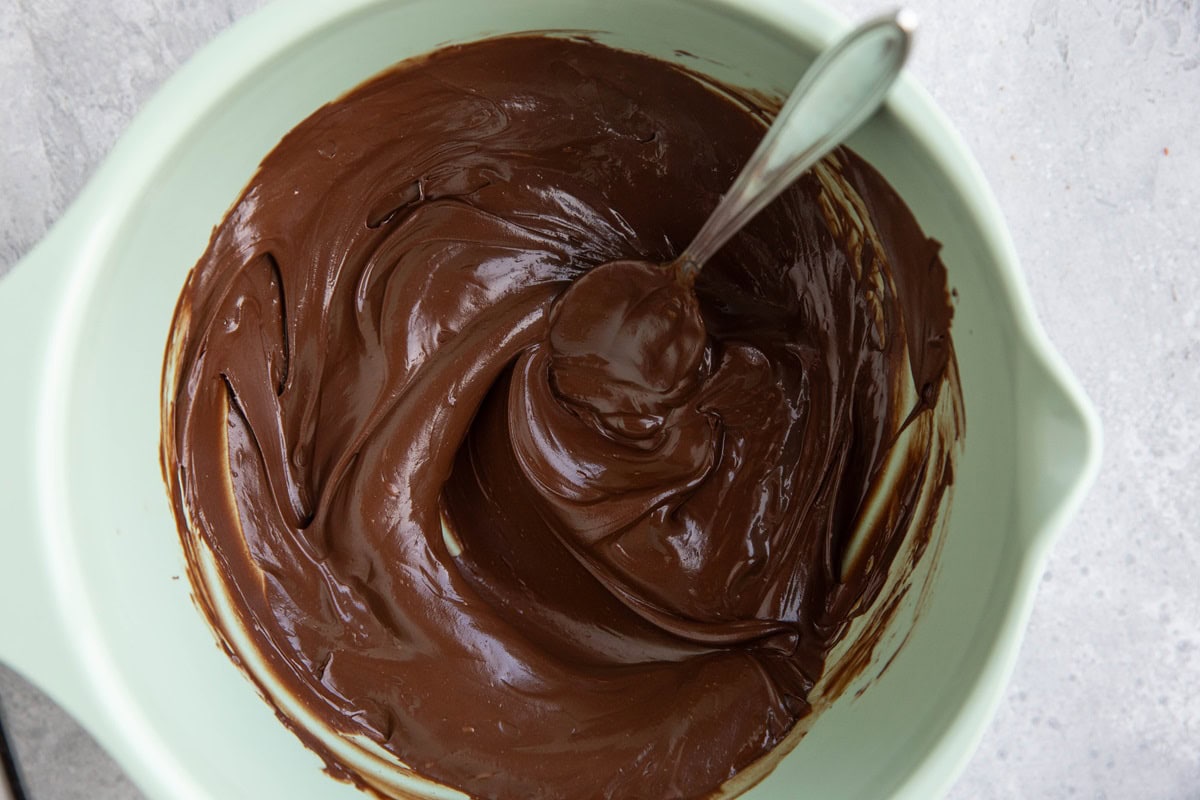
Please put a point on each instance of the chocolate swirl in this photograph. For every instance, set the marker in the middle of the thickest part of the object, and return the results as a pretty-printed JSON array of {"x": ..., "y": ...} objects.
[{"x": 473, "y": 512}]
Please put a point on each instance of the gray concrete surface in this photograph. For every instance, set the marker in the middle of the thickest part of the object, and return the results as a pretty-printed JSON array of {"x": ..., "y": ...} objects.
[
  {"x": 57, "y": 758},
  {"x": 1085, "y": 115}
]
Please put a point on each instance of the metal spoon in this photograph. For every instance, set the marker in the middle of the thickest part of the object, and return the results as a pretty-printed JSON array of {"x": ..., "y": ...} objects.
[{"x": 842, "y": 88}]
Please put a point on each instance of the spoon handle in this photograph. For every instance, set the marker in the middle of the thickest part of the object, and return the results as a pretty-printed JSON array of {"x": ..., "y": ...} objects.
[{"x": 842, "y": 88}]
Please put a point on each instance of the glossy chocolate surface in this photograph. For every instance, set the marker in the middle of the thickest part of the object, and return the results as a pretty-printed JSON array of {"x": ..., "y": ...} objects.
[{"x": 538, "y": 531}]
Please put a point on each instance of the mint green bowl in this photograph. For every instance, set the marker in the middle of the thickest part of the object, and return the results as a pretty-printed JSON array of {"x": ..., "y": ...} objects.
[{"x": 94, "y": 600}]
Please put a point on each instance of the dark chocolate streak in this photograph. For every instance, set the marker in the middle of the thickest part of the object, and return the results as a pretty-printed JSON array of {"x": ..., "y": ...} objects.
[{"x": 540, "y": 539}]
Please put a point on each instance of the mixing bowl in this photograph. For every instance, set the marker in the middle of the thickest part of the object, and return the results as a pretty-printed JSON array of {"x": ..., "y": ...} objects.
[{"x": 95, "y": 604}]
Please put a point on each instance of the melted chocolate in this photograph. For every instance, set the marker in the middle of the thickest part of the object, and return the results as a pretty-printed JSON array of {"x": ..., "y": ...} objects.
[{"x": 534, "y": 530}]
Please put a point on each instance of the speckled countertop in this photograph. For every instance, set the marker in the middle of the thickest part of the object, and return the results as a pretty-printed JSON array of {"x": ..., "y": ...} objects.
[{"x": 1085, "y": 116}]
